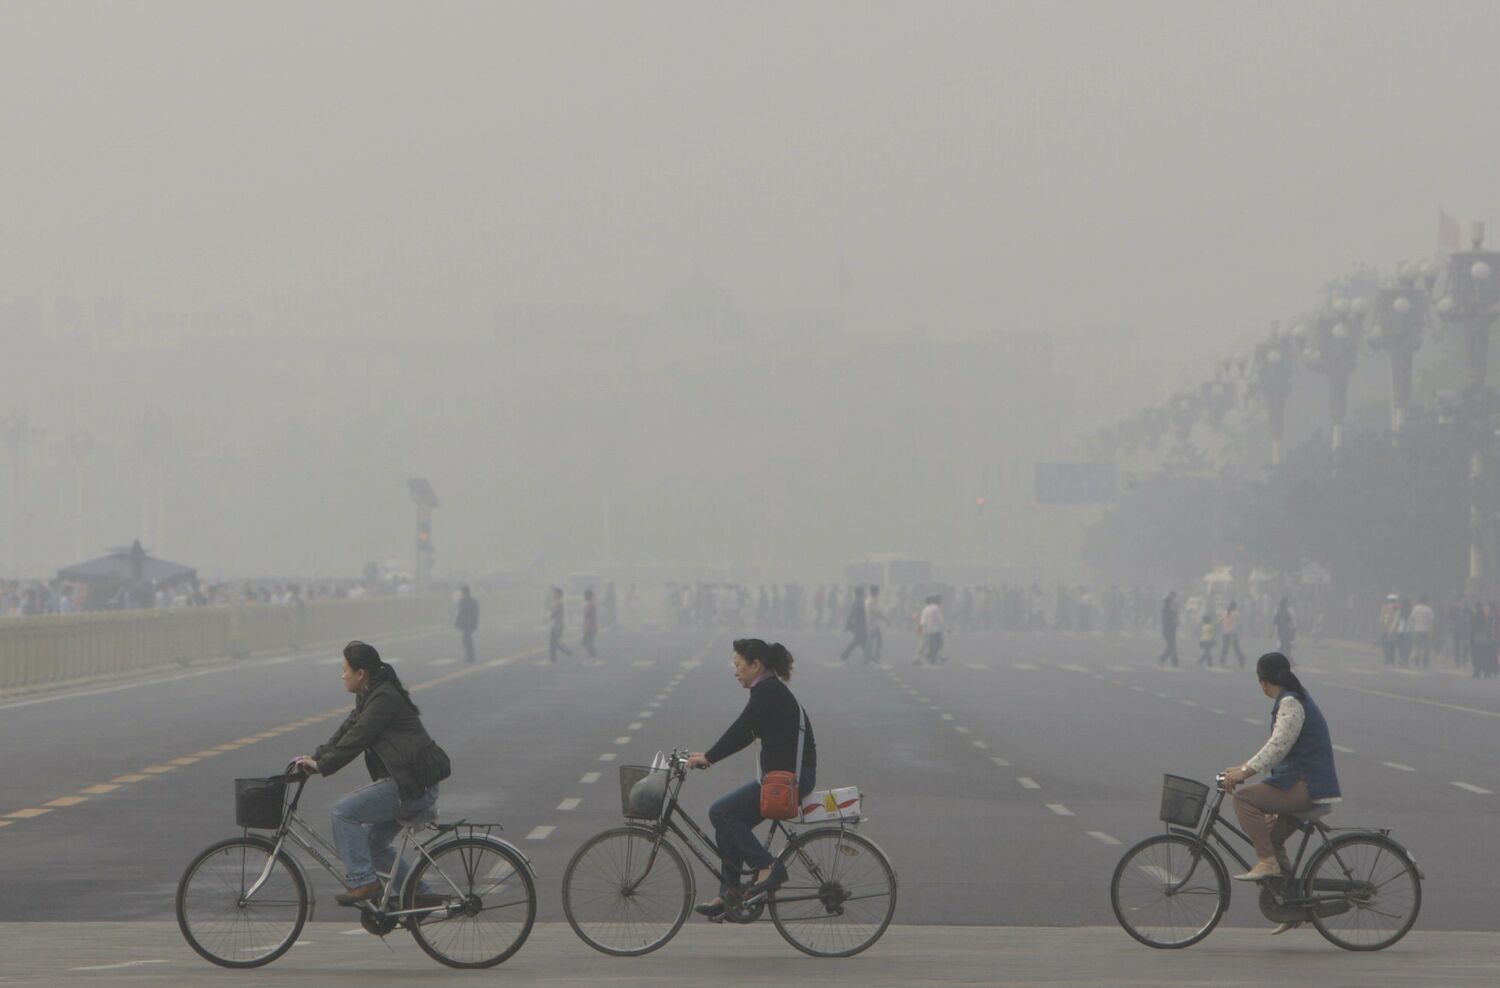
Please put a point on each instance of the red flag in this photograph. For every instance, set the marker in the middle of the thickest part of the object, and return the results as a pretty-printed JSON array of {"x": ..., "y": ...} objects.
[{"x": 1450, "y": 237}]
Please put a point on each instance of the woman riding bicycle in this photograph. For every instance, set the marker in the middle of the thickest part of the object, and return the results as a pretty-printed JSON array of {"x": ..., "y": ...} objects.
[
  {"x": 404, "y": 763},
  {"x": 775, "y": 717},
  {"x": 1299, "y": 758}
]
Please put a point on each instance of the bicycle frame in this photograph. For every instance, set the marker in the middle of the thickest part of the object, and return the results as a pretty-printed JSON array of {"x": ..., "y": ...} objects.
[
  {"x": 1209, "y": 828},
  {"x": 700, "y": 844},
  {"x": 315, "y": 844}
]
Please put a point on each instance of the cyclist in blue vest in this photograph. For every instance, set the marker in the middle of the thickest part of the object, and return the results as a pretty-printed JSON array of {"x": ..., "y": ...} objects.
[{"x": 1299, "y": 759}]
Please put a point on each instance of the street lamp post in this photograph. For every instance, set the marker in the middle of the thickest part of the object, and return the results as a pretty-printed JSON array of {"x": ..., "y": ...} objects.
[
  {"x": 1332, "y": 344},
  {"x": 1470, "y": 300},
  {"x": 1273, "y": 379},
  {"x": 16, "y": 430},
  {"x": 1396, "y": 321},
  {"x": 81, "y": 447}
]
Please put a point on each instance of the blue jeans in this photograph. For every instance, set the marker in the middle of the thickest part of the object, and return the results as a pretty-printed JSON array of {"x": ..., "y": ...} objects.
[
  {"x": 364, "y": 826},
  {"x": 735, "y": 817}
]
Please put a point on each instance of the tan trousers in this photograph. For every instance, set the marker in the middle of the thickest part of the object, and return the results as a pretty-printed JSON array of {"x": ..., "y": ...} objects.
[{"x": 1265, "y": 814}]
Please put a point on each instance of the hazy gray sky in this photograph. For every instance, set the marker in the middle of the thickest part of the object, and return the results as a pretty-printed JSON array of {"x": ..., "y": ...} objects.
[{"x": 1153, "y": 182}]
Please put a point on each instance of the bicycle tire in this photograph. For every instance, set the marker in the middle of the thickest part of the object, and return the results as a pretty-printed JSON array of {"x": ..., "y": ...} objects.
[
  {"x": 1162, "y": 858},
  {"x": 211, "y": 894},
  {"x": 594, "y": 899},
  {"x": 482, "y": 869},
  {"x": 821, "y": 884},
  {"x": 1351, "y": 865}
]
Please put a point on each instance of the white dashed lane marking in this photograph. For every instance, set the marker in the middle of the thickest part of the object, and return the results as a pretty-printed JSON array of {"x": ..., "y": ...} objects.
[
  {"x": 633, "y": 727},
  {"x": 1102, "y": 837},
  {"x": 540, "y": 833},
  {"x": 1059, "y": 809},
  {"x": 1250, "y": 720},
  {"x": 1398, "y": 766},
  {"x": 571, "y": 803},
  {"x": 608, "y": 756},
  {"x": 589, "y": 778},
  {"x": 1341, "y": 748},
  {"x": 623, "y": 739},
  {"x": 1000, "y": 761},
  {"x": 124, "y": 964},
  {"x": 1477, "y": 790},
  {"x": 1028, "y": 783}
]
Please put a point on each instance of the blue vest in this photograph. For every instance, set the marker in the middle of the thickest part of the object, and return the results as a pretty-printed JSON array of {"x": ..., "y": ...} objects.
[{"x": 1311, "y": 757}]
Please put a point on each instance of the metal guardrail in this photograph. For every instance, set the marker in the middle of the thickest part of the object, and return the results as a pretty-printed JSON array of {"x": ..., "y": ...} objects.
[{"x": 52, "y": 650}]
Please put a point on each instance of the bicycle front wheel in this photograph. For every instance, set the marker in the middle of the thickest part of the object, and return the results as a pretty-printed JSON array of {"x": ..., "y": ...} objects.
[
  {"x": 223, "y": 920},
  {"x": 1374, "y": 888},
  {"x": 488, "y": 907},
  {"x": 839, "y": 896},
  {"x": 1169, "y": 891},
  {"x": 626, "y": 892}
]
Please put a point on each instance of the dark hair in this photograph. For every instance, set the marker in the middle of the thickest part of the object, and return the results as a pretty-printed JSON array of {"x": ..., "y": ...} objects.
[
  {"x": 774, "y": 657},
  {"x": 1276, "y": 669},
  {"x": 362, "y": 656}
]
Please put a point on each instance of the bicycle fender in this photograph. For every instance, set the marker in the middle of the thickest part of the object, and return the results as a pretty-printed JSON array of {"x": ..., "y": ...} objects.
[
  {"x": 513, "y": 849},
  {"x": 1351, "y": 834}
]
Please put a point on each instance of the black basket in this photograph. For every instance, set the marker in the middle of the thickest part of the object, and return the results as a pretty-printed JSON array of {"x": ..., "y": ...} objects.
[
  {"x": 258, "y": 803},
  {"x": 1182, "y": 800},
  {"x": 643, "y": 791}
]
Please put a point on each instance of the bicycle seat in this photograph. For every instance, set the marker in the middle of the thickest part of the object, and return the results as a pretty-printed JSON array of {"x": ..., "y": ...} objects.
[
  {"x": 1317, "y": 812},
  {"x": 419, "y": 819}
]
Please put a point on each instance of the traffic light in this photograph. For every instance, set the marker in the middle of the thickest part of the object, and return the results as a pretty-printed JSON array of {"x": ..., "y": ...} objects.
[
  {"x": 979, "y": 505},
  {"x": 424, "y": 536}
]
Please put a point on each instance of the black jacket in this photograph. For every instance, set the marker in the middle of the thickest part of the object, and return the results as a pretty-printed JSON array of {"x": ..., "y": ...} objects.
[
  {"x": 468, "y": 614},
  {"x": 385, "y": 727},
  {"x": 772, "y": 716}
]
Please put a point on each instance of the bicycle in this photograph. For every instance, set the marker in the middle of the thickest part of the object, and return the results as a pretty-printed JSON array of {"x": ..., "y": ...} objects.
[
  {"x": 627, "y": 890},
  {"x": 242, "y": 902},
  {"x": 1361, "y": 889}
]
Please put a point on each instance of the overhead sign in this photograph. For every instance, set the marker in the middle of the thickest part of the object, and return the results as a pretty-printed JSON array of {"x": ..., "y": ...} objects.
[{"x": 1075, "y": 483}]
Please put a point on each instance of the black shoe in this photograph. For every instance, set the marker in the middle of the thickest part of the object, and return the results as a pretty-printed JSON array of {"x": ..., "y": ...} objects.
[
  {"x": 711, "y": 910},
  {"x": 760, "y": 890}
]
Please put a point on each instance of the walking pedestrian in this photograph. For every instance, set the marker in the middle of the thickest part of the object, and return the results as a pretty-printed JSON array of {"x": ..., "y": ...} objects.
[
  {"x": 1285, "y": 623},
  {"x": 1229, "y": 634},
  {"x": 1169, "y": 628},
  {"x": 874, "y": 618},
  {"x": 1208, "y": 635},
  {"x": 467, "y": 621},
  {"x": 1422, "y": 620},
  {"x": 930, "y": 630},
  {"x": 855, "y": 625},
  {"x": 590, "y": 623},
  {"x": 555, "y": 616},
  {"x": 1390, "y": 616}
]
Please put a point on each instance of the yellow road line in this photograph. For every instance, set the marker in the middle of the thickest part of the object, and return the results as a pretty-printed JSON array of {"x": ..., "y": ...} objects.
[{"x": 172, "y": 765}]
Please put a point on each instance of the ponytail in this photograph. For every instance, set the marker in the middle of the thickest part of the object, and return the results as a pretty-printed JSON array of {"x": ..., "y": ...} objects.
[
  {"x": 1276, "y": 669},
  {"x": 361, "y": 655},
  {"x": 774, "y": 656}
]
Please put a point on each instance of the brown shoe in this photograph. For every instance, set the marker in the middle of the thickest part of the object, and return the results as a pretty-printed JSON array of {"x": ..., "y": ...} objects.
[{"x": 354, "y": 896}]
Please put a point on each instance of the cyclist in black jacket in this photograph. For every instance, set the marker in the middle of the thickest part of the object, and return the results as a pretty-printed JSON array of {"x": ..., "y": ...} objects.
[{"x": 774, "y": 716}]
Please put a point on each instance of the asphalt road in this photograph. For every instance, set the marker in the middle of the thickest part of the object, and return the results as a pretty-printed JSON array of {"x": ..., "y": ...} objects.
[{"x": 1003, "y": 785}]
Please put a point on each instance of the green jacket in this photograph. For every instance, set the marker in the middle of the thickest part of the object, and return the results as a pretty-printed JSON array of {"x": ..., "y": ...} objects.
[{"x": 386, "y": 728}]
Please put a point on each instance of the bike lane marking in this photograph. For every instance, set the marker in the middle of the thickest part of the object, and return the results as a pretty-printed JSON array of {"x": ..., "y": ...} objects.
[{"x": 152, "y": 771}]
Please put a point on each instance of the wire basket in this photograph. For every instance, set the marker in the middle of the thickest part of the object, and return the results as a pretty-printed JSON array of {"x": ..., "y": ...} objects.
[
  {"x": 258, "y": 803},
  {"x": 643, "y": 791},
  {"x": 1182, "y": 800}
]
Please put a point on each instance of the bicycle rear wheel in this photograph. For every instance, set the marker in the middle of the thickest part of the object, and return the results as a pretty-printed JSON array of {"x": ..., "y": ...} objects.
[
  {"x": 489, "y": 907},
  {"x": 1169, "y": 891},
  {"x": 626, "y": 893},
  {"x": 839, "y": 896},
  {"x": 1382, "y": 888},
  {"x": 226, "y": 925}
]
